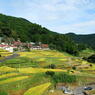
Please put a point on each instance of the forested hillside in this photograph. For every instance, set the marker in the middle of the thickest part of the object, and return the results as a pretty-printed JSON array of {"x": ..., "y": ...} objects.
[
  {"x": 88, "y": 40},
  {"x": 13, "y": 27}
]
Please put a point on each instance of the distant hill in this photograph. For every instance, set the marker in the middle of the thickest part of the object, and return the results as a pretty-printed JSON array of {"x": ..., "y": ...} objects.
[
  {"x": 88, "y": 40},
  {"x": 13, "y": 27},
  {"x": 20, "y": 27}
]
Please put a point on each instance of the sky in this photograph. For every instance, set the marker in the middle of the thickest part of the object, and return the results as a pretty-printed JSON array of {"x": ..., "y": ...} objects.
[{"x": 62, "y": 16}]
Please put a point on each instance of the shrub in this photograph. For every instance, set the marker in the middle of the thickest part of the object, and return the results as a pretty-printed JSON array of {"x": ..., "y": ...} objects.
[
  {"x": 91, "y": 58},
  {"x": 50, "y": 73},
  {"x": 3, "y": 93},
  {"x": 74, "y": 67},
  {"x": 52, "y": 66},
  {"x": 90, "y": 65},
  {"x": 15, "y": 49}
]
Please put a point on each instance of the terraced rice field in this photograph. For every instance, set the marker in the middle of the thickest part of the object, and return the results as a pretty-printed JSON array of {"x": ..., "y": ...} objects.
[
  {"x": 8, "y": 75},
  {"x": 38, "y": 90},
  {"x": 44, "y": 58},
  {"x": 4, "y": 53},
  {"x": 28, "y": 70},
  {"x": 38, "y": 70},
  {"x": 6, "y": 69},
  {"x": 10, "y": 80},
  {"x": 17, "y": 72},
  {"x": 41, "y": 53}
]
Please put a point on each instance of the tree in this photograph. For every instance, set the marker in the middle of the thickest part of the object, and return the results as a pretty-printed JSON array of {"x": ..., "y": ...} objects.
[
  {"x": 74, "y": 67},
  {"x": 82, "y": 47},
  {"x": 91, "y": 58},
  {"x": 52, "y": 66},
  {"x": 50, "y": 73},
  {"x": 6, "y": 31}
]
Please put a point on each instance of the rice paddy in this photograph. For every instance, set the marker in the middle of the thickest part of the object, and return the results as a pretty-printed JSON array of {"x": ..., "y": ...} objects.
[
  {"x": 38, "y": 70},
  {"x": 7, "y": 69},
  {"x": 38, "y": 90},
  {"x": 8, "y": 75},
  {"x": 9, "y": 80},
  {"x": 26, "y": 73}
]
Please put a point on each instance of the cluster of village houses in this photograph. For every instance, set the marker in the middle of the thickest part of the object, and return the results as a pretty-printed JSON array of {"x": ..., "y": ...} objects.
[{"x": 20, "y": 46}]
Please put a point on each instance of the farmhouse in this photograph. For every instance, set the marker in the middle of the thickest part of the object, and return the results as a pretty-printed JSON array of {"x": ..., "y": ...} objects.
[
  {"x": 44, "y": 46},
  {"x": 17, "y": 43},
  {"x": 36, "y": 48},
  {"x": 21, "y": 46},
  {"x": 39, "y": 46},
  {"x": 9, "y": 48}
]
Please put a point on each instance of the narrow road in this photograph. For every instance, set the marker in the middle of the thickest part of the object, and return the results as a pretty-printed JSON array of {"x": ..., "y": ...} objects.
[
  {"x": 9, "y": 57},
  {"x": 80, "y": 90}
]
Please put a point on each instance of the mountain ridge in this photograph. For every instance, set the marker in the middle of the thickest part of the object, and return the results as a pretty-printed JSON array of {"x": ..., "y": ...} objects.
[{"x": 88, "y": 39}]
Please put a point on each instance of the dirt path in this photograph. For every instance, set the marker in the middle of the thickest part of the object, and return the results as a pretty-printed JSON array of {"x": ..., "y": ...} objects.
[
  {"x": 80, "y": 90},
  {"x": 9, "y": 57}
]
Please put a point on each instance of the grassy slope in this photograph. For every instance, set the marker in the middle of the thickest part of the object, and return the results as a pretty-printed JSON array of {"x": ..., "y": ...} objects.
[
  {"x": 37, "y": 62},
  {"x": 84, "y": 39},
  {"x": 86, "y": 53},
  {"x": 9, "y": 80}
]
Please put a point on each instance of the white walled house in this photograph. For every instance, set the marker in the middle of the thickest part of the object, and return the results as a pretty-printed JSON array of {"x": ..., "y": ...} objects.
[{"x": 9, "y": 48}]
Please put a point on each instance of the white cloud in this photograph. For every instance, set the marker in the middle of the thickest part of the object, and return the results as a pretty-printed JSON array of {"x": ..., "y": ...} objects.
[
  {"x": 80, "y": 28},
  {"x": 58, "y": 15}
]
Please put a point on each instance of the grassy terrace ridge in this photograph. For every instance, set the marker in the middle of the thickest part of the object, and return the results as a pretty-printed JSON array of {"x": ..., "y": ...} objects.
[
  {"x": 38, "y": 70},
  {"x": 8, "y": 75},
  {"x": 7, "y": 69},
  {"x": 9, "y": 80},
  {"x": 4, "y": 53},
  {"x": 38, "y": 90}
]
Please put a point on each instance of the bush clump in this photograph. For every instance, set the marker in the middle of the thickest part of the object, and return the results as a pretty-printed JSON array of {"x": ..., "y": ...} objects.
[
  {"x": 64, "y": 78},
  {"x": 50, "y": 73}
]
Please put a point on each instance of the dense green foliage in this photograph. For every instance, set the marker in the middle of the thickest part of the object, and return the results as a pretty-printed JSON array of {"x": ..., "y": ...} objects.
[
  {"x": 91, "y": 58},
  {"x": 84, "y": 40},
  {"x": 50, "y": 73},
  {"x": 3, "y": 93},
  {"x": 52, "y": 66},
  {"x": 12, "y": 27},
  {"x": 63, "y": 78}
]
